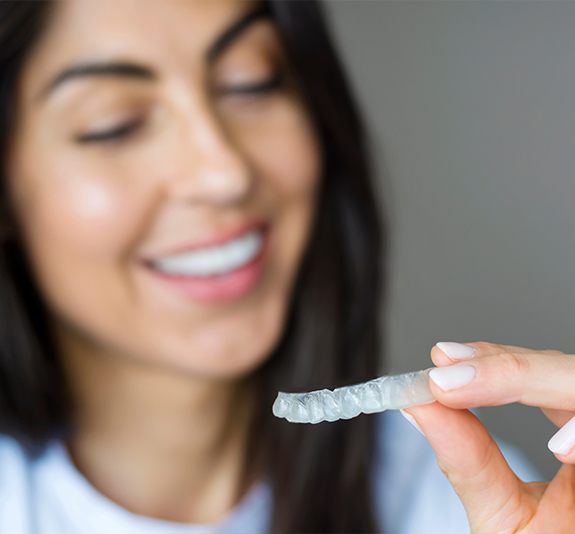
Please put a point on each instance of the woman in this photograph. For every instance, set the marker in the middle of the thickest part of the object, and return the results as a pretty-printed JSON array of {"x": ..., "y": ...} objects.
[{"x": 189, "y": 227}]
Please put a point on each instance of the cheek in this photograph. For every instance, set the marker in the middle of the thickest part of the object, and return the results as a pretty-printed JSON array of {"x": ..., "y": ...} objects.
[
  {"x": 291, "y": 160},
  {"x": 287, "y": 152},
  {"x": 78, "y": 212},
  {"x": 78, "y": 226}
]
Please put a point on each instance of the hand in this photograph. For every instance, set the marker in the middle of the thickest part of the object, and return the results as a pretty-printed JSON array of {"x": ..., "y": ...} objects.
[{"x": 495, "y": 499}]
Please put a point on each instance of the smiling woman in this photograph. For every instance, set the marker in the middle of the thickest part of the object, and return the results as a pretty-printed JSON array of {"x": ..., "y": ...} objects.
[{"x": 189, "y": 227}]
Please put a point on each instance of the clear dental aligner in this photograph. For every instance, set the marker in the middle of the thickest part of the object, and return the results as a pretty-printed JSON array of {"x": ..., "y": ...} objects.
[{"x": 383, "y": 393}]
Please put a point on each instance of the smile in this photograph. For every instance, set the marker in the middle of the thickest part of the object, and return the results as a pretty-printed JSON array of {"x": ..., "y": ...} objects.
[
  {"x": 216, "y": 260},
  {"x": 217, "y": 272}
]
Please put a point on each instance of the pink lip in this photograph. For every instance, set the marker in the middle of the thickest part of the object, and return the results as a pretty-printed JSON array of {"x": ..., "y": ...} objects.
[{"x": 218, "y": 289}]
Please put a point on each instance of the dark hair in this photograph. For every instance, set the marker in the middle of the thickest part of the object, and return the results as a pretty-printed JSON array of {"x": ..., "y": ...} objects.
[{"x": 320, "y": 474}]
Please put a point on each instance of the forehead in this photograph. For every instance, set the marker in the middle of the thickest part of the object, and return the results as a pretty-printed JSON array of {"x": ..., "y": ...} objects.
[{"x": 159, "y": 32}]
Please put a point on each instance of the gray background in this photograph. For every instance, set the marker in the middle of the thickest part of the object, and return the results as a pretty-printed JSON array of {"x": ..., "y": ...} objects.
[{"x": 472, "y": 109}]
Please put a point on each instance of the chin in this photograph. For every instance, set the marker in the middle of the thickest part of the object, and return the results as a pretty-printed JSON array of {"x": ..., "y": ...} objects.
[
  {"x": 229, "y": 367},
  {"x": 231, "y": 350}
]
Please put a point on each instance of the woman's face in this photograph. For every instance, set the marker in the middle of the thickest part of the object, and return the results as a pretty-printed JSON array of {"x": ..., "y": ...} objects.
[{"x": 178, "y": 238}]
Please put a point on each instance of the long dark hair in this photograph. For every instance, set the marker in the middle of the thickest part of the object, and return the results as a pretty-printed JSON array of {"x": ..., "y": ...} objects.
[{"x": 320, "y": 474}]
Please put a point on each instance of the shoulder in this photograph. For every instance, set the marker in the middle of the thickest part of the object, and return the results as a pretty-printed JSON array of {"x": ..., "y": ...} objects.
[
  {"x": 411, "y": 494},
  {"x": 13, "y": 463},
  {"x": 14, "y": 486}
]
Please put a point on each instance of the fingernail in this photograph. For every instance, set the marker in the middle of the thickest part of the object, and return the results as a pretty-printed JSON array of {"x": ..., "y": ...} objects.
[
  {"x": 412, "y": 420},
  {"x": 452, "y": 377},
  {"x": 457, "y": 351},
  {"x": 564, "y": 439}
]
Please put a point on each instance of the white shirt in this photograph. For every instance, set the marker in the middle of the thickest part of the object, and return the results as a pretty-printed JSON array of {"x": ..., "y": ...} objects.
[{"x": 48, "y": 495}]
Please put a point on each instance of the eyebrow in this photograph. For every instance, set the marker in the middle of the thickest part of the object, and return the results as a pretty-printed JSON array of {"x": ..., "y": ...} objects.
[{"x": 135, "y": 71}]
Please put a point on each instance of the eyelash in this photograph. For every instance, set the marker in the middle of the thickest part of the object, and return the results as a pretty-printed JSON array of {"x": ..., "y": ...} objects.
[
  {"x": 273, "y": 84},
  {"x": 269, "y": 86}
]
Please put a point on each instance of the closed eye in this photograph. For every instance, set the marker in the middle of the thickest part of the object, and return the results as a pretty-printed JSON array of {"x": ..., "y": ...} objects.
[
  {"x": 267, "y": 86},
  {"x": 115, "y": 133}
]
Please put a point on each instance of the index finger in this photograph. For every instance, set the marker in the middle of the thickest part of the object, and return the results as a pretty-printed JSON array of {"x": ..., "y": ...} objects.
[{"x": 502, "y": 374}]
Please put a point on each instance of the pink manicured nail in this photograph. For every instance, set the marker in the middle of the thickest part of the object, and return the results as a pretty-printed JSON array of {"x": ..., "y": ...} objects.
[
  {"x": 457, "y": 351},
  {"x": 412, "y": 420},
  {"x": 564, "y": 439},
  {"x": 452, "y": 377}
]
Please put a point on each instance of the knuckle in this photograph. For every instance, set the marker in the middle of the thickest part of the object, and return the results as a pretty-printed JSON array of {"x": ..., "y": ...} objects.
[
  {"x": 473, "y": 471},
  {"x": 512, "y": 365},
  {"x": 485, "y": 348}
]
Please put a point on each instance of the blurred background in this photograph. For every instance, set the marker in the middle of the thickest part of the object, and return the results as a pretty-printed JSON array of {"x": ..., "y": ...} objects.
[{"x": 471, "y": 105}]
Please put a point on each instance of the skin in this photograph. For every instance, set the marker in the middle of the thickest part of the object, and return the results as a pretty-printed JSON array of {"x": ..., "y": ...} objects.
[
  {"x": 495, "y": 499},
  {"x": 161, "y": 382}
]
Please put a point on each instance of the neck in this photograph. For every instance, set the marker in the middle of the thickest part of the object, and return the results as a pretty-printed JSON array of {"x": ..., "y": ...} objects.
[{"x": 159, "y": 442}]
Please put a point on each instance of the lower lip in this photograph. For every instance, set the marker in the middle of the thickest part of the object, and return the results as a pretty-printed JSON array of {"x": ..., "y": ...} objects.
[{"x": 221, "y": 288}]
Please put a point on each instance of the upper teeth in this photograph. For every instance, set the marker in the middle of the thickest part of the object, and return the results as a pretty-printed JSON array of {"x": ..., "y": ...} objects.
[{"x": 214, "y": 260}]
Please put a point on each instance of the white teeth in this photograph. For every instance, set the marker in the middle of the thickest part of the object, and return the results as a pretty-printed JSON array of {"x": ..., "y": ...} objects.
[
  {"x": 378, "y": 395},
  {"x": 216, "y": 260}
]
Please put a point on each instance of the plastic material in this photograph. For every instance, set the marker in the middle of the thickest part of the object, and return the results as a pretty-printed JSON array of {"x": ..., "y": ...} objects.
[{"x": 383, "y": 393}]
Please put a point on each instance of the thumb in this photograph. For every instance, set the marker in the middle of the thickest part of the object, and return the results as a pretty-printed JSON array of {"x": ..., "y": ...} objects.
[{"x": 491, "y": 493}]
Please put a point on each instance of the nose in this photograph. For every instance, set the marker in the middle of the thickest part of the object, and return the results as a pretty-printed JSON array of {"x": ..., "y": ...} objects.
[{"x": 213, "y": 168}]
